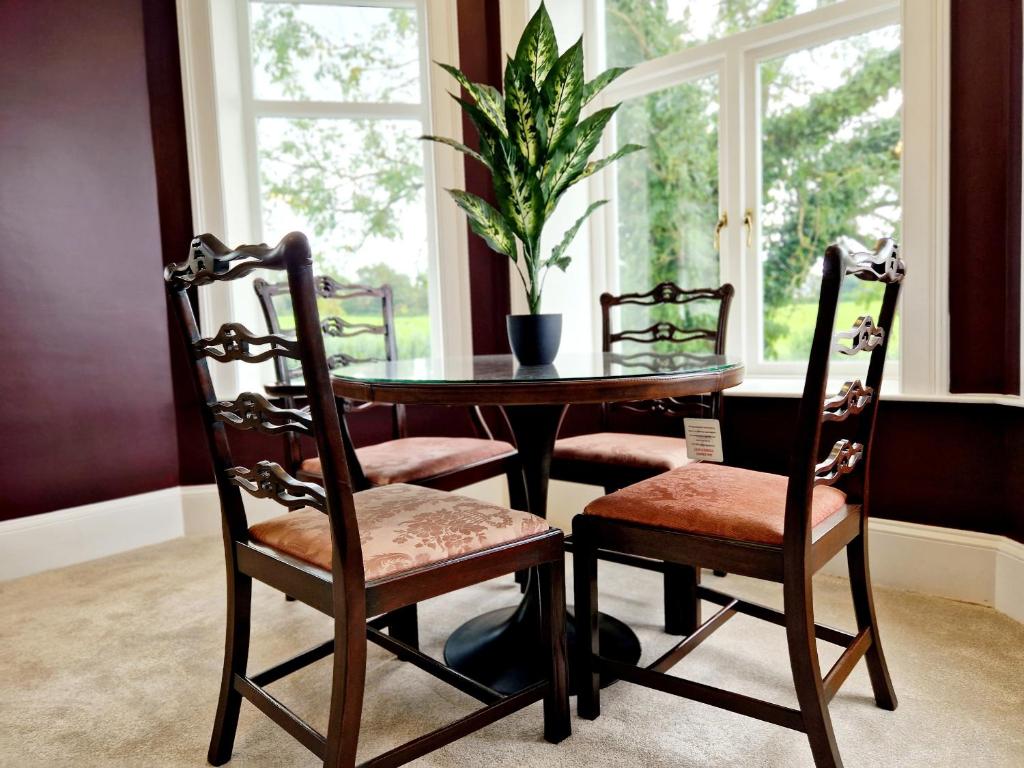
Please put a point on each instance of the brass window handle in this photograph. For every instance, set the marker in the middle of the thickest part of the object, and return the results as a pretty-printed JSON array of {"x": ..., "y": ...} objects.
[
  {"x": 748, "y": 224},
  {"x": 723, "y": 222}
]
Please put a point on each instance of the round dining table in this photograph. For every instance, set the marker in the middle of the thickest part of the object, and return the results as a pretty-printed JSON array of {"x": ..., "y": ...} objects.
[{"x": 496, "y": 648}]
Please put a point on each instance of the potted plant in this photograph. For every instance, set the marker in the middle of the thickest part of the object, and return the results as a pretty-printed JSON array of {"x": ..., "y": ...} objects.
[{"x": 536, "y": 146}]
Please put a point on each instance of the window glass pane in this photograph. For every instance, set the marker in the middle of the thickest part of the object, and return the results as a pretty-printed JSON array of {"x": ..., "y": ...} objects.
[
  {"x": 830, "y": 123},
  {"x": 324, "y": 52},
  {"x": 640, "y": 30},
  {"x": 667, "y": 199},
  {"x": 356, "y": 188}
]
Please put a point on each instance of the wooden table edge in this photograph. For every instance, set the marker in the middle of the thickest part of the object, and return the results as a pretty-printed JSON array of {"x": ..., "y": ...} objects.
[{"x": 527, "y": 392}]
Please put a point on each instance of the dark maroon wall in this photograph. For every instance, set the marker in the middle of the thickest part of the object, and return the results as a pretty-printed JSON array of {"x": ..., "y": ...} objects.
[
  {"x": 480, "y": 59},
  {"x": 985, "y": 196},
  {"x": 88, "y": 404}
]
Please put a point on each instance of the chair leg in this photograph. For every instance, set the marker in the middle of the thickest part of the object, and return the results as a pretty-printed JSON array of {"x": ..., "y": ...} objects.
[
  {"x": 404, "y": 625},
  {"x": 236, "y": 657},
  {"x": 682, "y": 608},
  {"x": 864, "y": 608},
  {"x": 587, "y": 678},
  {"x": 556, "y": 701},
  {"x": 517, "y": 500},
  {"x": 803, "y": 655},
  {"x": 346, "y": 694}
]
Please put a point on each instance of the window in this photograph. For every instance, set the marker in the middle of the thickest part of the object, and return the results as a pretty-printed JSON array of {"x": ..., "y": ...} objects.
[
  {"x": 780, "y": 128},
  {"x": 306, "y": 114},
  {"x": 771, "y": 130},
  {"x": 339, "y": 101}
]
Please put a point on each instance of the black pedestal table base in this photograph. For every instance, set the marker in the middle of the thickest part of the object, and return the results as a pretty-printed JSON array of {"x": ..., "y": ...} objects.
[
  {"x": 493, "y": 648},
  {"x": 502, "y": 648}
]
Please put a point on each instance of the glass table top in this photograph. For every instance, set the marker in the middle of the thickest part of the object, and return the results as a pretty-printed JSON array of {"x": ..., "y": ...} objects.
[{"x": 495, "y": 369}]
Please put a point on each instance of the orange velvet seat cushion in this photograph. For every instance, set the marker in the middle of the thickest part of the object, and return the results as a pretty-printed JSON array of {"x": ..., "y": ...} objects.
[
  {"x": 625, "y": 449},
  {"x": 409, "y": 459},
  {"x": 714, "y": 500},
  {"x": 401, "y": 527}
]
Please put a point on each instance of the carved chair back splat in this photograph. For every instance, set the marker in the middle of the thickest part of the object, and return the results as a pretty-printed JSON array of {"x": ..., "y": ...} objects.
[
  {"x": 803, "y": 547},
  {"x": 681, "y": 338},
  {"x": 339, "y": 327},
  {"x": 342, "y": 593}
]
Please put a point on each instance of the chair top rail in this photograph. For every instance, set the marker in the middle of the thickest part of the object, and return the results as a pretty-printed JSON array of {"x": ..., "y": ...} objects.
[
  {"x": 211, "y": 261},
  {"x": 667, "y": 293}
]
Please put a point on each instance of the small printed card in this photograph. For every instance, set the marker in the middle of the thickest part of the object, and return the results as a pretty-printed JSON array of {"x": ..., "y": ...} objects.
[{"x": 703, "y": 439}]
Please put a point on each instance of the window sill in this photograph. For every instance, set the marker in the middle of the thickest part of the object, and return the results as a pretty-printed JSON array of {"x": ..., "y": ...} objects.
[{"x": 792, "y": 387}]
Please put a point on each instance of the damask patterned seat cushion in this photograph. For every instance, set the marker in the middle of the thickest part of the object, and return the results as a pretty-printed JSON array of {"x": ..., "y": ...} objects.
[
  {"x": 654, "y": 452},
  {"x": 402, "y": 527},
  {"x": 714, "y": 500},
  {"x": 409, "y": 459}
]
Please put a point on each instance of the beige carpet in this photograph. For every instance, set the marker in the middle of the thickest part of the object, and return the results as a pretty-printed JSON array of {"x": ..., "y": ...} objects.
[{"x": 116, "y": 663}]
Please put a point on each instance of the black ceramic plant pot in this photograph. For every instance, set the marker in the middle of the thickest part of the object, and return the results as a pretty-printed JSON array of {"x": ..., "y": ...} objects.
[{"x": 534, "y": 338}]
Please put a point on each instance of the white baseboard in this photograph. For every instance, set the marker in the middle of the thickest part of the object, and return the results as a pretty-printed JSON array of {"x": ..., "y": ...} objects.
[
  {"x": 961, "y": 565},
  {"x": 200, "y": 509},
  {"x": 55, "y": 539},
  {"x": 1010, "y": 579}
]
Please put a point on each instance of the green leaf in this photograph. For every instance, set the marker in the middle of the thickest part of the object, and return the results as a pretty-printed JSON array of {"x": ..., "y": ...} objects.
[
  {"x": 486, "y": 222},
  {"x": 558, "y": 257},
  {"x": 538, "y": 49},
  {"x": 523, "y": 113},
  {"x": 562, "y": 94},
  {"x": 598, "y": 84},
  {"x": 592, "y": 168},
  {"x": 487, "y": 98},
  {"x": 490, "y": 138},
  {"x": 460, "y": 147},
  {"x": 519, "y": 194},
  {"x": 562, "y": 171}
]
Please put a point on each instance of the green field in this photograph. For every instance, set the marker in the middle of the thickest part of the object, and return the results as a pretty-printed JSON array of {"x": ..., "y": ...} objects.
[
  {"x": 412, "y": 335},
  {"x": 799, "y": 319}
]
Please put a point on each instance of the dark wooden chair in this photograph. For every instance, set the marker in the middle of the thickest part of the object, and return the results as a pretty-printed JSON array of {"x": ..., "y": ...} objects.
[
  {"x": 772, "y": 527},
  {"x": 616, "y": 460},
  {"x": 442, "y": 462},
  {"x": 352, "y": 555}
]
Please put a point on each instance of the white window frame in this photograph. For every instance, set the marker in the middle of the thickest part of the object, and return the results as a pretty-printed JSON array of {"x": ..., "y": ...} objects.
[
  {"x": 221, "y": 114},
  {"x": 923, "y": 368}
]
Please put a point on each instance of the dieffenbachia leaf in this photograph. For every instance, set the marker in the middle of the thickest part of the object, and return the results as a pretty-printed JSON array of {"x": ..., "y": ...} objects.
[
  {"x": 486, "y": 222},
  {"x": 490, "y": 139},
  {"x": 562, "y": 93},
  {"x": 592, "y": 168},
  {"x": 598, "y": 84},
  {"x": 558, "y": 257},
  {"x": 538, "y": 49},
  {"x": 487, "y": 98},
  {"x": 561, "y": 171},
  {"x": 523, "y": 113},
  {"x": 519, "y": 194},
  {"x": 460, "y": 147}
]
